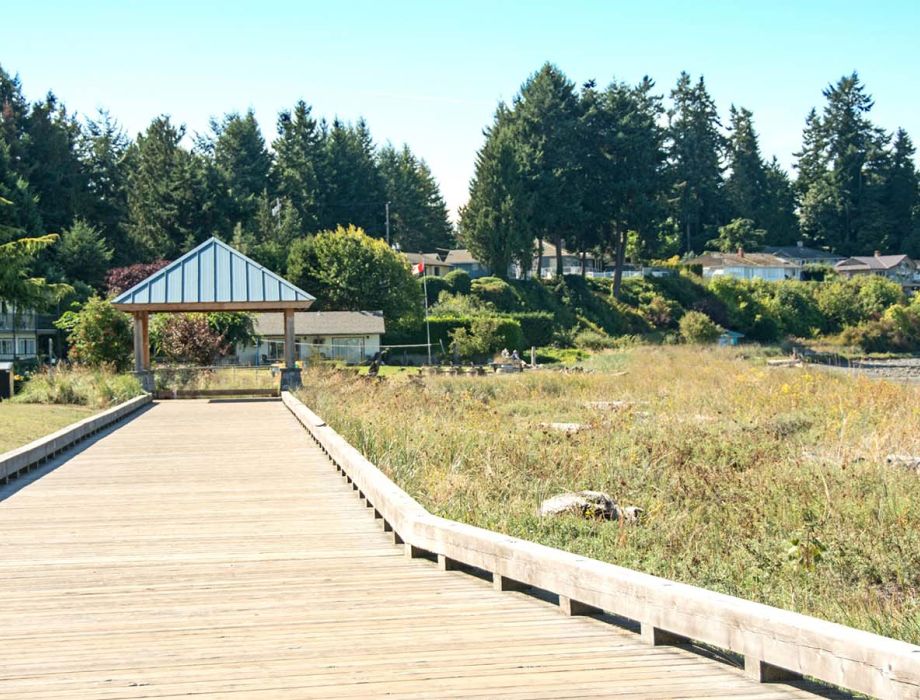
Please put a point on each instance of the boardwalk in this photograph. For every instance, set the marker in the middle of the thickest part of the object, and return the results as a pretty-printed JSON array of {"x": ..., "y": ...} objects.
[{"x": 210, "y": 549}]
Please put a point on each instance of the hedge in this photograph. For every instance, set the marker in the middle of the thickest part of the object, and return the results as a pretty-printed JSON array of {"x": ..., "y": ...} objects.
[{"x": 536, "y": 326}]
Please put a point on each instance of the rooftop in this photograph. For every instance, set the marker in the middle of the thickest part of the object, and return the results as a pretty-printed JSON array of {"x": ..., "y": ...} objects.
[
  {"x": 740, "y": 259},
  {"x": 801, "y": 252},
  {"x": 460, "y": 256},
  {"x": 323, "y": 323},
  {"x": 871, "y": 262},
  {"x": 213, "y": 277}
]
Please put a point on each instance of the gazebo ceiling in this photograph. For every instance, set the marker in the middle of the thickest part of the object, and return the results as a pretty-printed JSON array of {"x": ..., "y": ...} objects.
[{"x": 213, "y": 277}]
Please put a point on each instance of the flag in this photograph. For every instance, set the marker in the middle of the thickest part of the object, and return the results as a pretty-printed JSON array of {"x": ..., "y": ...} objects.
[{"x": 418, "y": 269}]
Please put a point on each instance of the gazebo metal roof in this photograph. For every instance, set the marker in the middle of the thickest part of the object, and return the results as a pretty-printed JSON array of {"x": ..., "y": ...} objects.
[{"x": 213, "y": 277}]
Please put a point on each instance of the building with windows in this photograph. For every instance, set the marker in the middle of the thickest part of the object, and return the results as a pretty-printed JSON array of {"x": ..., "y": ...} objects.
[
  {"x": 897, "y": 268},
  {"x": 747, "y": 266},
  {"x": 24, "y": 335},
  {"x": 349, "y": 336}
]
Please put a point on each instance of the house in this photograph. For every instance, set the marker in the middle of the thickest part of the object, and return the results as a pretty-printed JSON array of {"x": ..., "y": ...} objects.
[
  {"x": 747, "y": 266},
  {"x": 24, "y": 335},
  {"x": 571, "y": 263},
  {"x": 800, "y": 254},
  {"x": 350, "y": 336},
  {"x": 462, "y": 259},
  {"x": 434, "y": 265},
  {"x": 897, "y": 268}
]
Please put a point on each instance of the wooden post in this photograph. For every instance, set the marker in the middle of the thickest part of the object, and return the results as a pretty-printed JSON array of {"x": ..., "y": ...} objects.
[
  {"x": 289, "y": 351},
  {"x": 145, "y": 340},
  {"x": 138, "y": 343}
]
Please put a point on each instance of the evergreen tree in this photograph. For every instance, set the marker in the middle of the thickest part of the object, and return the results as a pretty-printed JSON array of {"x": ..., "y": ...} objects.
[
  {"x": 18, "y": 210},
  {"x": 546, "y": 115},
  {"x": 51, "y": 163},
  {"x": 492, "y": 222},
  {"x": 299, "y": 158},
  {"x": 13, "y": 112},
  {"x": 812, "y": 159},
  {"x": 418, "y": 214},
  {"x": 352, "y": 187},
  {"x": 103, "y": 147},
  {"x": 82, "y": 255},
  {"x": 901, "y": 196},
  {"x": 241, "y": 165},
  {"x": 695, "y": 157},
  {"x": 624, "y": 166},
  {"x": 778, "y": 214},
  {"x": 165, "y": 189}
]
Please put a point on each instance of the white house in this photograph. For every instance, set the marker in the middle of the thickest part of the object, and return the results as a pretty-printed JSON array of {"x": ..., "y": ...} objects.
[
  {"x": 801, "y": 254},
  {"x": 747, "y": 266},
  {"x": 350, "y": 336}
]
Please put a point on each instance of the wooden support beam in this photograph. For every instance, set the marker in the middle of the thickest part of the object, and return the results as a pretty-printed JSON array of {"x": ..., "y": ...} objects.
[
  {"x": 138, "y": 343},
  {"x": 447, "y": 564},
  {"x": 762, "y": 672},
  {"x": 145, "y": 340},
  {"x": 503, "y": 583},
  {"x": 573, "y": 607},
  {"x": 289, "y": 349},
  {"x": 658, "y": 637}
]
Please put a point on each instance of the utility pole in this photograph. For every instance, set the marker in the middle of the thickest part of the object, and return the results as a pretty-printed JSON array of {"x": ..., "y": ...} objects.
[{"x": 388, "y": 223}]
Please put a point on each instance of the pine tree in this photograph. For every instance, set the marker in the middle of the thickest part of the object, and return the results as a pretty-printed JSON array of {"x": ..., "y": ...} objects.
[
  {"x": 103, "y": 147},
  {"x": 299, "y": 156},
  {"x": 901, "y": 194},
  {"x": 19, "y": 215},
  {"x": 82, "y": 255},
  {"x": 165, "y": 193},
  {"x": 492, "y": 222},
  {"x": 624, "y": 160},
  {"x": 695, "y": 157},
  {"x": 13, "y": 112},
  {"x": 418, "y": 214},
  {"x": 241, "y": 165},
  {"x": 546, "y": 115},
  {"x": 352, "y": 187},
  {"x": 778, "y": 213},
  {"x": 51, "y": 164}
]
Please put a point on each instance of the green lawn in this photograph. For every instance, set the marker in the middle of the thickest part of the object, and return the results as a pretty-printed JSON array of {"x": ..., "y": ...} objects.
[{"x": 21, "y": 423}]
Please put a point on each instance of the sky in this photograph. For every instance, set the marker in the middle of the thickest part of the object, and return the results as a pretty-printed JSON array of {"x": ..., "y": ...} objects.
[{"x": 430, "y": 74}]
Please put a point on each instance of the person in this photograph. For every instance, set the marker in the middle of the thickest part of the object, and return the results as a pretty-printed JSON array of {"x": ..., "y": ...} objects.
[
  {"x": 515, "y": 356},
  {"x": 505, "y": 354}
]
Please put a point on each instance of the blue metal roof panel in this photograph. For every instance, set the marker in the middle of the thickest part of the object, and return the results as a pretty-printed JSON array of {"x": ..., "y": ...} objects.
[{"x": 212, "y": 272}]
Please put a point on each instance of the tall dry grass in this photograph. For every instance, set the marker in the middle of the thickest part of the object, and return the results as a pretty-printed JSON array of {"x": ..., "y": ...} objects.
[
  {"x": 79, "y": 386},
  {"x": 769, "y": 484}
]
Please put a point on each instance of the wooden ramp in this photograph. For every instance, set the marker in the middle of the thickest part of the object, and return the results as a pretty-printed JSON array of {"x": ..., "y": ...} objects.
[{"x": 210, "y": 548}]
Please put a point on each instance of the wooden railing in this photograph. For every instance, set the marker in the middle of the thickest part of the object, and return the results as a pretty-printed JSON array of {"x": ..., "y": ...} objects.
[
  {"x": 776, "y": 644},
  {"x": 23, "y": 458}
]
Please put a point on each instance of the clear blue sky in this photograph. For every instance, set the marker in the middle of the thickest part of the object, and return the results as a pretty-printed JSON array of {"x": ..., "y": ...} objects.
[{"x": 430, "y": 73}]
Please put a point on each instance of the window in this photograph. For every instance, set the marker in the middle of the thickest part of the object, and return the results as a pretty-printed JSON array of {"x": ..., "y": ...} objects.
[
  {"x": 6, "y": 346},
  {"x": 26, "y": 346}
]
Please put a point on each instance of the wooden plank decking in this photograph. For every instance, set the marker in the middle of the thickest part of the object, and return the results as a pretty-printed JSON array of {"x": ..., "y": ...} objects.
[{"x": 209, "y": 548}]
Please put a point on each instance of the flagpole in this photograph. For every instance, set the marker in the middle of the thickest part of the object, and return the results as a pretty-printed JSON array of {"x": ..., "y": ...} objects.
[{"x": 427, "y": 324}]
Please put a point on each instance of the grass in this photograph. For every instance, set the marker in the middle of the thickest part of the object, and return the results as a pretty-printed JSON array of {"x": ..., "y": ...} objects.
[
  {"x": 199, "y": 378},
  {"x": 78, "y": 386},
  {"x": 22, "y": 423},
  {"x": 765, "y": 483}
]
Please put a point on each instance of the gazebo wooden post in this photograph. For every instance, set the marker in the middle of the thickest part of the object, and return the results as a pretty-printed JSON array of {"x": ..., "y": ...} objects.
[
  {"x": 142, "y": 348},
  {"x": 290, "y": 375}
]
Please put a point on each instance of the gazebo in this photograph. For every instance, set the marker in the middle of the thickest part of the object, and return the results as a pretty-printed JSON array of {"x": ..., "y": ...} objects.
[{"x": 212, "y": 277}]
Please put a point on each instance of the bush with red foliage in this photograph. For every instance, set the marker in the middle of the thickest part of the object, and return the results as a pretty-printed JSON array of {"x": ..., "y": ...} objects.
[{"x": 120, "y": 279}]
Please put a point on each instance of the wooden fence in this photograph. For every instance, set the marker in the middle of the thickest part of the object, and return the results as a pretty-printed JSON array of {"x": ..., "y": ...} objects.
[{"x": 776, "y": 644}]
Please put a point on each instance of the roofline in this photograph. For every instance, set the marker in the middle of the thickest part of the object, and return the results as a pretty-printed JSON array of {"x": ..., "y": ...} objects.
[
  {"x": 162, "y": 271},
  {"x": 301, "y": 305}
]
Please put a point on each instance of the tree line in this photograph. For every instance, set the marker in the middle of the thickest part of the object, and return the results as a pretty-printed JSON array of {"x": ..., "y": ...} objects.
[
  {"x": 617, "y": 171},
  {"x": 118, "y": 201}
]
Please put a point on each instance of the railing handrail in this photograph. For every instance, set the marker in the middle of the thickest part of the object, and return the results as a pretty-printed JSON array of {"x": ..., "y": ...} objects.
[{"x": 769, "y": 638}]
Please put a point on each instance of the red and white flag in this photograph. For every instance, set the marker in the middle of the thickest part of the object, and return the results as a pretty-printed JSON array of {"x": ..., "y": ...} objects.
[{"x": 418, "y": 269}]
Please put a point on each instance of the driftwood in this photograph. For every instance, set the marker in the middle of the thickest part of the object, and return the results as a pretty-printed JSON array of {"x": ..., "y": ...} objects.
[
  {"x": 595, "y": 505},
  {"x": 567, "y": 428},
  {"x": 911, "y": 462}
]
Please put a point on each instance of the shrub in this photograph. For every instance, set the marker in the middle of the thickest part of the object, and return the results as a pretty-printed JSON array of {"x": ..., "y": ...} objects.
[
  {"x": 80, "y": 386},
  {"x": 592, "y": 340},
  {"x": 696, "y": 327},
  {"x": 496, "y": 291},
  {"x": 536, "y": 326},
  {"x": 187, "y": 338},
  {"x": 120, "y": 279},
  {"x": 661, "y": 312},
  {"x": 876, "y": 294},
  {"x": 486, "y": 335},
  {"x": 435, "y": 286},
  {"x": 795, "y": 308},
  {"x": 459, "y": 281},
  {"x": 98, "y": 335}
]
